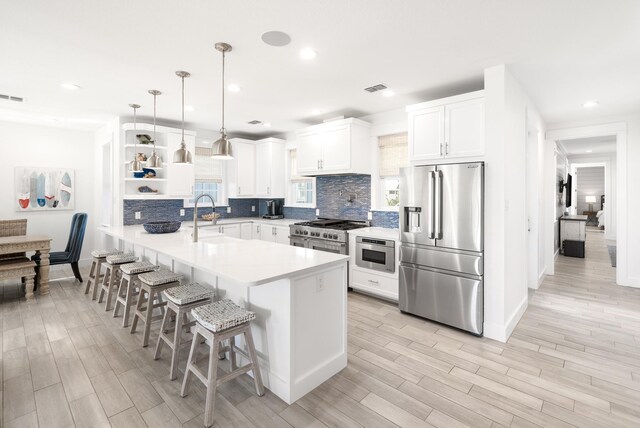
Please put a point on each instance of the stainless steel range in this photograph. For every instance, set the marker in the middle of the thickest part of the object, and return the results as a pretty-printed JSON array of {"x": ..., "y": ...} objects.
[{"x": 330, "y": 235}]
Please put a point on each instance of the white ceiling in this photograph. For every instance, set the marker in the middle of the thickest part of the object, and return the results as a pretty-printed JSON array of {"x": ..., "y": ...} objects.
[
  {"x": 591, "y": 145},
  {"x": 563, "y": 52}
]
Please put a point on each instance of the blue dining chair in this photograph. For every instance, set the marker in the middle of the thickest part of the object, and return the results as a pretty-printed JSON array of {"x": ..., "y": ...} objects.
[{"x": 71, "y": 253}]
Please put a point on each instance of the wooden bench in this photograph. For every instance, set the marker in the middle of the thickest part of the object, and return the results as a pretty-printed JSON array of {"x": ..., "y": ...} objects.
[{"x": 19, "y": 268}]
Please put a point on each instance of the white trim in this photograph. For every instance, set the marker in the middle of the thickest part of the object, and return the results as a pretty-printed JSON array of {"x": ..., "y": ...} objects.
[
  {"x": 619, "y": 129},
  {"x": 501, "y": 333}
]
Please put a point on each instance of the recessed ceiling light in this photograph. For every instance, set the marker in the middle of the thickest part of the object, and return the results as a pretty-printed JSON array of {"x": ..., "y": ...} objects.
[
  {"x": 590, "y": 104},
  {"x": 388, "y": 93},
  {"x": 188, "y": 108},
  {"x": 233, "y": 87},
  {"x": 308, "y": 53},
  {"x": 316, "y": 111},
  {"x": 70, "y": 86},
  {"x": 589, "y": 151},
  {"x": 276, "y": 38},
  {"x": 267, "y": 124}
]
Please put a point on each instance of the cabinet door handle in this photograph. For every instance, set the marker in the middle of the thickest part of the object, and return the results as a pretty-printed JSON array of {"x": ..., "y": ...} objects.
[
  {"x": 273, "y": 231},
  {"x": 318, "y": 163},
  {"x": 258, "y": 229},
  {"x": 440, "y": 149},
  {"x": 268, "y": 190},
  {"x": 446, "y": 150},
  {"x": 374, "y": 282},
  {"x": 238, "y": 189},
  {"x": 321, "y": 164}
]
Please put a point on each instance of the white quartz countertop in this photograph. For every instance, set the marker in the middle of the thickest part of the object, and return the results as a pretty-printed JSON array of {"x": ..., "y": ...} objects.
[
  {"x": 236, "y": 220},
  {"x": 377, "y": 232},
  {"x": 248, "y": 262}
]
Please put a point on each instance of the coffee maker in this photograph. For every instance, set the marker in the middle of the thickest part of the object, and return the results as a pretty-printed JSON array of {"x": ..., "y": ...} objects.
[{"x": 274, "y": 209}]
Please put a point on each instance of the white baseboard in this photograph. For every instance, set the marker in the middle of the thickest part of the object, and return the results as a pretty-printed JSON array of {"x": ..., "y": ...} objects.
[{"x": 501, "y": 333}]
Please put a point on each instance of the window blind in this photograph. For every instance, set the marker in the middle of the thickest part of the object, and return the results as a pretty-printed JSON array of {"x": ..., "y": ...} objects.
[
  {"x": 206, "y": 168},
  {"x": 393, "y": 154}
]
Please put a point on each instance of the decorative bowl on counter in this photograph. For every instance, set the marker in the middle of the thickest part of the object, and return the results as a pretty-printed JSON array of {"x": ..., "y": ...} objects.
[
  {"x": 210, "y": 217},
  {"x": 162, "y": 226}
]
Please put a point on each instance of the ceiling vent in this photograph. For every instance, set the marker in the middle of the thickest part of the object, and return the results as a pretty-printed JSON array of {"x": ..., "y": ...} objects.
[
  {"x": 376, "y": 88},
  {"x": 11, "y": 98},
  {"x": 255, "y": 122}
]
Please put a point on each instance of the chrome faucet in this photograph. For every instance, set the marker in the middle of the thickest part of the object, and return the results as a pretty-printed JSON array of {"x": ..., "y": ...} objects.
[{"x": 195, "y": 215}]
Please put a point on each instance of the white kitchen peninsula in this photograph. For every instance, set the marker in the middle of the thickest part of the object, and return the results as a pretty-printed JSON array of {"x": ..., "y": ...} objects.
[{"x": 299, "y": 297}]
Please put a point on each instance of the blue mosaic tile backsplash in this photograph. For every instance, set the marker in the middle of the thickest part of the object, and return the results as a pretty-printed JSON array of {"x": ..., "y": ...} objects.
[
  {"x": 334, "y": 192},
  {"x": 388, "y": 219},
  {"x": 332, "y": 199},
  {"x": 169, "y": 209}
]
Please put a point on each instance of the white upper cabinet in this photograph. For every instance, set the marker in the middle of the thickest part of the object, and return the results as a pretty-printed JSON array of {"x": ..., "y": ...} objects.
[
  {"x": 426, "y": 132},
  {"x": 270, "y": 159},
  {"x": 447, "y": 128},
  {"x": 336, "y": 147},
  {"x": 241, "y": 172}
]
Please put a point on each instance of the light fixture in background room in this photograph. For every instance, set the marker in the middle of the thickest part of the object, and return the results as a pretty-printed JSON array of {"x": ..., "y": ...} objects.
[
  {"x": 590, "y": 104},
  {"x": 182, "y": 155},
  {"x": 154, "y": 160},
  {"x": 222, "y": 148},
  {"x": 590, "y": 200},
  {"x": 135, "y": 165}
]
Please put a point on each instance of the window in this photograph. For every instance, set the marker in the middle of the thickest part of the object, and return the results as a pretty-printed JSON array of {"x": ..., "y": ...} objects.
[
  {"x": 301, "y": 189},
  {"x": 392, "y": 155},
  {"x": 208, "y": 174}
]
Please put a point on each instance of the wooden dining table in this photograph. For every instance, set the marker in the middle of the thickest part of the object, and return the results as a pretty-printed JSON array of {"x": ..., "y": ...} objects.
[{"x": 41, "y": 244}]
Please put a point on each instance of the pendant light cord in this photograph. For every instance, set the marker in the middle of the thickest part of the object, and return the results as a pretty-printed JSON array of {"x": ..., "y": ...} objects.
[
  {"x": 154, "y": 123},
  {"x": 182, "y": 109},
  {"x": 135, "y": 138},
  {"x": 223, "y": 130}
]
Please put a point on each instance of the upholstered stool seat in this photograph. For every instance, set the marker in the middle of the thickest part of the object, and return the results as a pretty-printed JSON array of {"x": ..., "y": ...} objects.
[
  {"x": 112, "y": 275},
  {"x": 152, "y": 284},
  {"x": 95, "y": 277},
  {"x": 180, "y": 301},
  {"x": 129, "y": 287},
  {"x": 222, "y": 315},
  {"x": 217, "y": 322}
]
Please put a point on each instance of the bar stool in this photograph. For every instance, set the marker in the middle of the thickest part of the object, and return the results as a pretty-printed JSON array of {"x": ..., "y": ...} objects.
[
  {"x": 127, "y": 289},
  {"x": 152, "y": 283},
  {"x": 217, "y": 322},
  {"x": 180, "y": 301},
  {"x": 99, "y": 257},
  {"x": 112, "y": 274}
]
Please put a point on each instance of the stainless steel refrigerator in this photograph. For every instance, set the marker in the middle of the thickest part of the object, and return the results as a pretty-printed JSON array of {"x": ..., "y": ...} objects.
[{"x": 441, "y": 251}]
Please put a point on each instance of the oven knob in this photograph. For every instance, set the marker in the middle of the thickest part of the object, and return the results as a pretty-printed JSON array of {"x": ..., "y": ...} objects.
[
  {"x": 335, "y": 236},
  {"x": 305, "y": 232},
  {"x": 324, "y": 235}
]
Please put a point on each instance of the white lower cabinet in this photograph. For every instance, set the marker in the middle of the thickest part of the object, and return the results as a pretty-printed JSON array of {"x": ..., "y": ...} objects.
[
  {"x": 279, "y": 234},
  {"x": 380, "y": 285},
  {"x": 246, "y": 230},
  {"x": 232, "y": 230}
]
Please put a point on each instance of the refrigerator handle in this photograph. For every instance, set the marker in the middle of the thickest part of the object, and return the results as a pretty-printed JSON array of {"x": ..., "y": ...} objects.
[
  {"x": 432, "y": 191},
  {"x": 439, "y": 206}
]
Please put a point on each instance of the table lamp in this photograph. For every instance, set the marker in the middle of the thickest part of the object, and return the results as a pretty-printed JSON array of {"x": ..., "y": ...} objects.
[{"x": 590, "y": 200}]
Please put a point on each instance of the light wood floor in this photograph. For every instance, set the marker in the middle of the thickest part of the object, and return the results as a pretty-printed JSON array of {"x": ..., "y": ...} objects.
[{"x": 574, "y": 360}]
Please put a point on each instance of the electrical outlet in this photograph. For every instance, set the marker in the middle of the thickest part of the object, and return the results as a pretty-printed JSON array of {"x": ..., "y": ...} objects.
[
  {"x": 320, "y": 284},
  {"x": 181, "y": 212},
  {"x": 228, "y": 210},
  {"x": 138, "y": 215},
  {"x": 317, "y": 212},
  {"x": 369, "y": 215},
  {"x": 253, "y": 208}
]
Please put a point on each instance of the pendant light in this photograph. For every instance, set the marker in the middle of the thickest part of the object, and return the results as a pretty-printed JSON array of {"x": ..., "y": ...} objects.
[
  {"x": 222, "y": 148},
  {"x": 182, "y": 155},
  {"x": 135, "y": 165},
  {"x": 154, "y": 160}
]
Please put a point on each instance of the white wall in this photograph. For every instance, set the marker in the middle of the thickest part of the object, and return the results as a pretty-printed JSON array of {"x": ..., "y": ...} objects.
[
  {"x": 506, "y": 110},
  {"x": 32, "y": 145}
]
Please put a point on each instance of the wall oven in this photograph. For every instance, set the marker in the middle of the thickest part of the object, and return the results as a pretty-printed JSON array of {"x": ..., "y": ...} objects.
[{"x": 376, "y": 254}]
